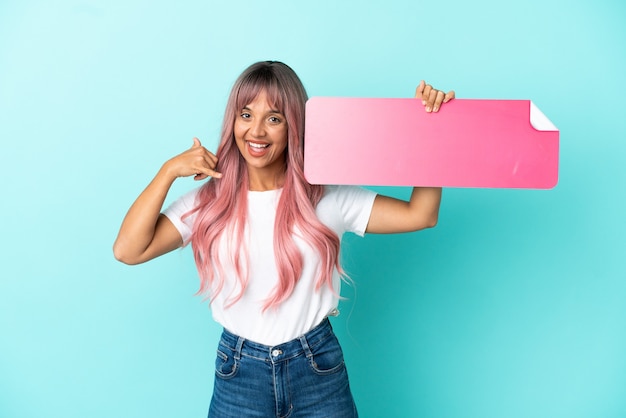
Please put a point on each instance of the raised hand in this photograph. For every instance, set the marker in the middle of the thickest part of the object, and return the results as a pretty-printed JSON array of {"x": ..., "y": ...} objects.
[
  {"x": 197, "y": 161},
  {"x": 432, "y": 99}
]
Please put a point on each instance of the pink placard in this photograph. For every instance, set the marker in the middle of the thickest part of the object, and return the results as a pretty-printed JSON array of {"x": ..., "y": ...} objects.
[{"x": 394, "y": 142}]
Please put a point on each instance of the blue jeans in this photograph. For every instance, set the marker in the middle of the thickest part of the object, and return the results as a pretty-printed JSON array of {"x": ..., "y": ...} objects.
[{"x": 305, "y": 377}]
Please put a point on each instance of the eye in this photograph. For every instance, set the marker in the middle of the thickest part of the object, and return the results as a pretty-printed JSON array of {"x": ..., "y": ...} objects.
[
  {"x": 274, "y": 119},
  {"x": 245, "y": 115}
]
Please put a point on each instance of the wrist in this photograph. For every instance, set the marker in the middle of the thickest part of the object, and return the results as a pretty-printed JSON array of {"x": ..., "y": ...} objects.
[{"x": 167, "y": 172}]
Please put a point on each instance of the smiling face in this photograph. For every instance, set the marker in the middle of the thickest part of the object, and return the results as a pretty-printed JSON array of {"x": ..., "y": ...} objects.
[{"x": 261, "y": 136}]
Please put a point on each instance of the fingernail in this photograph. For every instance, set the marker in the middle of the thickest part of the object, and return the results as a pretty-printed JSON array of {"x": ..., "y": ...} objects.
[{"x": 428, "y": 109}]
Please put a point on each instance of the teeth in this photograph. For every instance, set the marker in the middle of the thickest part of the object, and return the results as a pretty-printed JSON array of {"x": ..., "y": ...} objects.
[{"x": 259, "y": 146}]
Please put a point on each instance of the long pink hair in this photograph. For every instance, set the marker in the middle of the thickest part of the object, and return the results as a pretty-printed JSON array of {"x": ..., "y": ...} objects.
[{"x": 222, "y": 203}]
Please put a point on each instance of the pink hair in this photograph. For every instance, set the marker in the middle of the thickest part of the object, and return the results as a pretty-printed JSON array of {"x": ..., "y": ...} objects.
[{"x": 222, "y": 203}]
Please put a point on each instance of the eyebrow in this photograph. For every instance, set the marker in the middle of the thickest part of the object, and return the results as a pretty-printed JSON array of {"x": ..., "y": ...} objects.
[{"x": 271, "y": 110}]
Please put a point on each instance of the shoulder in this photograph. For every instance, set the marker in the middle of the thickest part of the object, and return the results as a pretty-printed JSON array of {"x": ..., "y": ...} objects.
[
  {"x": 348, "y": 194},
  {"x": 184, "y": 203},
  {"x": 346, "y": 207}
]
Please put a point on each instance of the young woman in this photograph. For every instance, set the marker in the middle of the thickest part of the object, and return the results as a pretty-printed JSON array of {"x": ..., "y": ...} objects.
[{"x": 266, "y": 244}]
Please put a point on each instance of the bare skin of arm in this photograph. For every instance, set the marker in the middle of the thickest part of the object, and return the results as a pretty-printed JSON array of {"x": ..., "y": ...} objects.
[{"x": 146, "y": 233}]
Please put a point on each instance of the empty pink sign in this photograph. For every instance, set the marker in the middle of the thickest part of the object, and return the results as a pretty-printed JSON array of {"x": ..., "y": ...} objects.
[{"x": 394, "y": 142}]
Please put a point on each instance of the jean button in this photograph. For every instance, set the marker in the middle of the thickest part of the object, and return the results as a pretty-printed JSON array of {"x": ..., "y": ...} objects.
[{"x": 276, "y": 353}]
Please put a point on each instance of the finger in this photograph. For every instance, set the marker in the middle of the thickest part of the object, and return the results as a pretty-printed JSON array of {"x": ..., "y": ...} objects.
[
  {"x": 211, "y": 159},
  {"x": 209, "y": 166},
  {"x": 419, "y": 90},
  {"x": 430, "y": 101},
  {"x": 207, "y": 173},
  {"x": 204, "y": 173},
  {"x": 196, "y": 143},
  {"x": 212, "y": 171},
  {"x": 439, "y": 97},
  {"x": 210, "y": 163},
  {"x": 449, "y": 96},
  {"x": 426, "y": 94}
]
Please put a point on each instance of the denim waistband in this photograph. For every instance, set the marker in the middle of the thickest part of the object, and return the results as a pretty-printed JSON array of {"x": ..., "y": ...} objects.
[{"x": 280, "y": 352}]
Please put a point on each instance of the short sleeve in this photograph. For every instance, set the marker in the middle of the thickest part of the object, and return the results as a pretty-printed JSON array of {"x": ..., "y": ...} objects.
[
  {"x": 177, "y": 209},
  {"x": 355, "y": 205}
]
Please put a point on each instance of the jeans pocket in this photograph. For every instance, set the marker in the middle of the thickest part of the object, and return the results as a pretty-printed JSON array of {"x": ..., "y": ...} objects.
[
  {"x": 327, "y": 358},
  {"x": 226, "y": 365}
]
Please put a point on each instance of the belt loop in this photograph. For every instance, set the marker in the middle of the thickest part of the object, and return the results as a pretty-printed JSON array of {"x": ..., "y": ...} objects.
[
  {"x": 238, "y": 348},
  {"x": 305, "y": 347}
]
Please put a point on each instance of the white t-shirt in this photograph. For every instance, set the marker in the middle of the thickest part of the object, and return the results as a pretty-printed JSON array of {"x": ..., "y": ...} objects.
[{"x": 342, "y": 209}]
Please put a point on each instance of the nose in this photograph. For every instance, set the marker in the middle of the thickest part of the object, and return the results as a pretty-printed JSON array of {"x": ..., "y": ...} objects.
[{"x": 258, "y": 128}]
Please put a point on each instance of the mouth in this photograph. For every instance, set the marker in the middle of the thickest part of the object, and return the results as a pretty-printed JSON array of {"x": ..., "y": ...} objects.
[
  {"x": 258, "y": 145},
  {"x": 257, "y": 149}
]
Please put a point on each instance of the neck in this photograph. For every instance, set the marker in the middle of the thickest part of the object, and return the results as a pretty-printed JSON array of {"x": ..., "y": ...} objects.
[{"x": 264, "y": 180}]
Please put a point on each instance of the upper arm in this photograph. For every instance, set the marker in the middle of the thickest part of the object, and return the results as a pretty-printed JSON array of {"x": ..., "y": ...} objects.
[{"x": 390, "y": 215}]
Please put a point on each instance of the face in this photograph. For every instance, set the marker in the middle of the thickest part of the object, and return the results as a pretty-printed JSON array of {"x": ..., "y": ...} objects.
[{"x": 261, "y": 136}]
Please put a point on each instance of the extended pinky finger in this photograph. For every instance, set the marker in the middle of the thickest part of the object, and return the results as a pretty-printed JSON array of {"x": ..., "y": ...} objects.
[{"x": 215, "y": 173}]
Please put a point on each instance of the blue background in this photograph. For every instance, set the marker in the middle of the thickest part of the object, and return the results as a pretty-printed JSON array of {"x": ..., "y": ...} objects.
[{"x": 514, "y": 306}]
